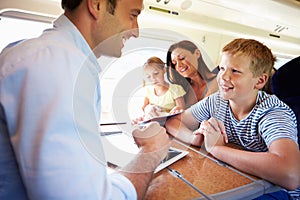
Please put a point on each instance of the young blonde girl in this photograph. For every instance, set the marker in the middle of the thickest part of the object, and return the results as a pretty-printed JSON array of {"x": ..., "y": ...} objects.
[{"x": 161, "y": 97}]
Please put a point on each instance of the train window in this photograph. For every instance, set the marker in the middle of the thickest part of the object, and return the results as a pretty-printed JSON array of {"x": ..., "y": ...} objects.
[
  {"x": 13, "y": 29},
  {"x": 280, "y": 61},
  {"x": 122, "y": 78}
]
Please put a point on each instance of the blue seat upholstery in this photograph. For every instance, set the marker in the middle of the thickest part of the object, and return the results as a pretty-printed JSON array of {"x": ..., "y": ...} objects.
[
  {"x": 286, "y": 85},
  {"x": 11, "y": 184}
]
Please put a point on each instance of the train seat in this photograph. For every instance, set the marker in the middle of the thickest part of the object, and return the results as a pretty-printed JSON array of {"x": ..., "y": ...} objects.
[{"x": 285, "y": 85}]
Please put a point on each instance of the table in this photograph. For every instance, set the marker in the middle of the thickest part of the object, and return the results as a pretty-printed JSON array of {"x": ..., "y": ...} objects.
[
  {"x": 217, "y": 180},
  {"x": 214, "y": 179}
]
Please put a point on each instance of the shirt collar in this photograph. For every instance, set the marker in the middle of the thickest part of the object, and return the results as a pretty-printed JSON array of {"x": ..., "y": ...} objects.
[{"x": 63, "y": 23}]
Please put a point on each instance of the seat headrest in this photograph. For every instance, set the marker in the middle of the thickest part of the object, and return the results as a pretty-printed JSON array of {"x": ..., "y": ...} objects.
[{"x": 286, "y": 80}]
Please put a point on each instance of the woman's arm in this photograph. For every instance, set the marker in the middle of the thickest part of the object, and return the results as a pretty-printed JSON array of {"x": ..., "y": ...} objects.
[
  {"x": 180, "y": 102},
  {"x": 180, "y": 105}
]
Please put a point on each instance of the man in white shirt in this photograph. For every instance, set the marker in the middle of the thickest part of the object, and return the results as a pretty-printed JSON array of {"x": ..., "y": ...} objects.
[{"x": 50, "y": 109}]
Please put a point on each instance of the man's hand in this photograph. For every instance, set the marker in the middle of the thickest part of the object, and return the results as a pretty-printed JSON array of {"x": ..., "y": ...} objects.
[
  {"x": 151, "y": 137},
  {"x": 154, "y": 144}
]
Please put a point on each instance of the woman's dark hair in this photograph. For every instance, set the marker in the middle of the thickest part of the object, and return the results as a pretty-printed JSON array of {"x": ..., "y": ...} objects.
[
  {"x": 73, "y": 4},
  {"x": 174, "y": 77}
]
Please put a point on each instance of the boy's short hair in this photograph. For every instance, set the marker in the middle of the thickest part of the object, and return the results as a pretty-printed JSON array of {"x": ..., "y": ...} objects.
[{"x": 262, "y": 59}]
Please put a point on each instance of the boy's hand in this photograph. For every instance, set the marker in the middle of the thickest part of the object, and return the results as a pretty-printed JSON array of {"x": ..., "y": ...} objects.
[{"x": 214, "y": 133}]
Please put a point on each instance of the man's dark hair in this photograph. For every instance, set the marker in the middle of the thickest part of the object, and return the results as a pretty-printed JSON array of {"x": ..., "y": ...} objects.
[
  {"x": 70, "y": 4},
  {"x": 73, "y": 4}
]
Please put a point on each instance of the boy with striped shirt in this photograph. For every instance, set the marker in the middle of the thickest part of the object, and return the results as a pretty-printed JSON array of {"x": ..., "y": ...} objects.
[{"x": 241, "y": 113}]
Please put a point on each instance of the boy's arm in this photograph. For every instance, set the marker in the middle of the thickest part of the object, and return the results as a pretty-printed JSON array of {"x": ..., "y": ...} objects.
[
  {"x": 281, "y": 165},
  {"x": 178, "y": 125}
]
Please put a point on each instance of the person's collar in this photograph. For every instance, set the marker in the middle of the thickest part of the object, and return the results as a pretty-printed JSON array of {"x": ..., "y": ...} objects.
[{"x": 62, "y": 22}]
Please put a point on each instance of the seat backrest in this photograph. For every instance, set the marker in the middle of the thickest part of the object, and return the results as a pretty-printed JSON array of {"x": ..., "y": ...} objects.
[
  {"x": 11, "y": 183},
  {"x": 285, "y": 85}
]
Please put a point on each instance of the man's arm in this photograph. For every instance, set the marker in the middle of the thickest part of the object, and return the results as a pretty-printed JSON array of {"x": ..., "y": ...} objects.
[{"x": 154, "y": 144}]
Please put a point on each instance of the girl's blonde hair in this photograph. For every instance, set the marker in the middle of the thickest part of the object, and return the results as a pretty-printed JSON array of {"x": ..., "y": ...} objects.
[{"x": 155, "y": 60}]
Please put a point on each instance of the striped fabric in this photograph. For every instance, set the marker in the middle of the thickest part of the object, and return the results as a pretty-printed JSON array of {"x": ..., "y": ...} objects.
[
  {"x": 270, "y": 119},
  {"x": 295, "y": 194}
]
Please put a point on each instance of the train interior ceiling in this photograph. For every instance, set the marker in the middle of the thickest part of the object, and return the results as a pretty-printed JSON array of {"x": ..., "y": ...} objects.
[{"x": 212, "y": 23}]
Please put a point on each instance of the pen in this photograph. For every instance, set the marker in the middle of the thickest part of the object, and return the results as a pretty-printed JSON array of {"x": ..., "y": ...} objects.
[{"x": 112, "y": 123}]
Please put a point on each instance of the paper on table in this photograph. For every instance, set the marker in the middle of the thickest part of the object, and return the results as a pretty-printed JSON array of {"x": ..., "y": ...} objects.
[{"x": 120, "y": 149}]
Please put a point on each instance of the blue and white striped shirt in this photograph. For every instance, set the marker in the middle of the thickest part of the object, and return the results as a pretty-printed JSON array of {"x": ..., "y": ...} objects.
[{"x": 269, "y": 120}]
